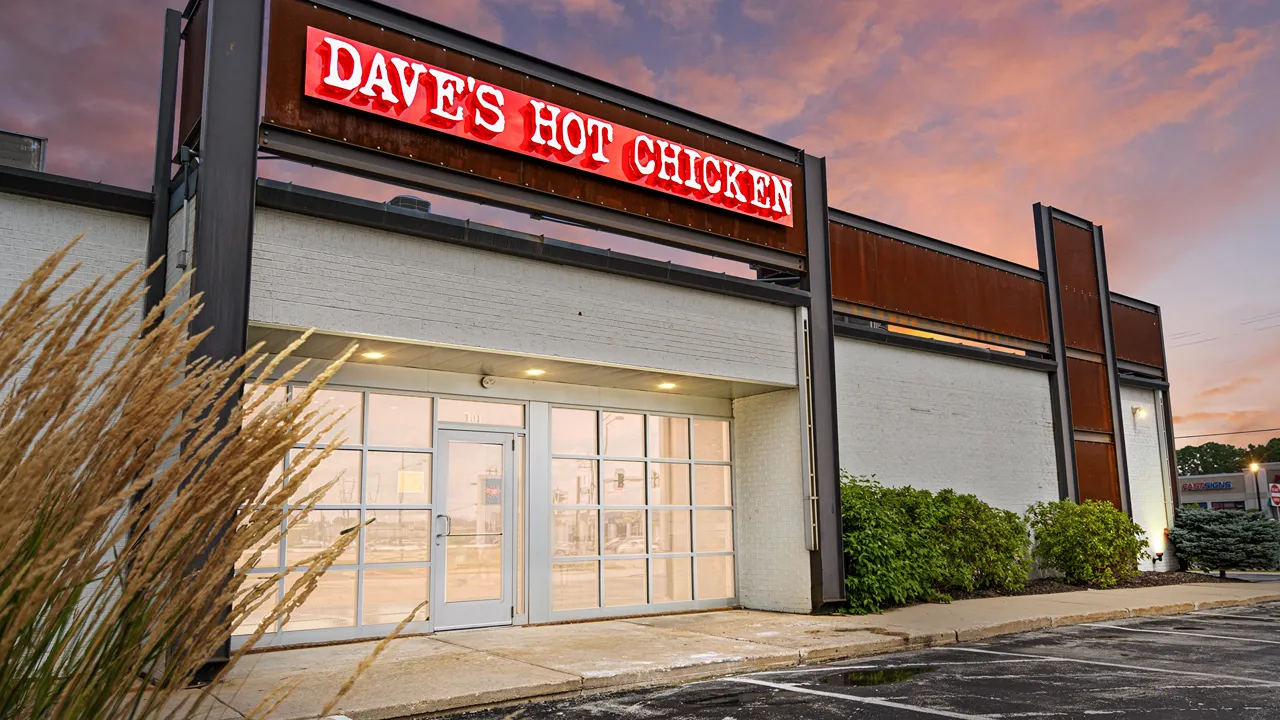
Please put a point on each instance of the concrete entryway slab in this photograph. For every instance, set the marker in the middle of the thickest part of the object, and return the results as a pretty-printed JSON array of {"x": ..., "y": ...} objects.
[
  {"x": 617, "y": 653},
  {"x": 414, "y": 676},
  {"x": 815, "y": 637}
]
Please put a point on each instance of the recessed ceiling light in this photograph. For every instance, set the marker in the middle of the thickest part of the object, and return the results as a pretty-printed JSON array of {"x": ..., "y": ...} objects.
[
  {"x": 373, "y": 355},
  {"x": 535, "y": 372},
  {"x": 666, "y": 386}
]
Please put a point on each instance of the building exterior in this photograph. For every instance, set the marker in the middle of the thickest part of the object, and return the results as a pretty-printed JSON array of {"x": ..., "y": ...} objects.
[
  {"x": 548, "y": 432},
  {"x": 1248, "y": 489}
]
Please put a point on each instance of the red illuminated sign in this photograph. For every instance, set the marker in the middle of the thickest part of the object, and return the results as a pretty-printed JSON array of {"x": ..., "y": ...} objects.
[{"x": 365, "y": 78}]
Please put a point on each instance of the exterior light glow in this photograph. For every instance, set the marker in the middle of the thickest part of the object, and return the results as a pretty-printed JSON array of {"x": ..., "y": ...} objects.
[
  {"x": 1253, "y": 467},
  {"x": 666, "y": 386},
  {"x": 373, "y": 355},
  {"x": 1139, "y": 412},
  {"x": 535, "y": 372}
]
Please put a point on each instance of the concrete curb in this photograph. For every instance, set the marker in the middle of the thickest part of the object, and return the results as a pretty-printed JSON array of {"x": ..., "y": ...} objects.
[{"x": 895, "y": 639}]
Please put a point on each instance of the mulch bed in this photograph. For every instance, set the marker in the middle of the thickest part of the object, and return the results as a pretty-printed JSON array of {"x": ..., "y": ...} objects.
[{"x": 1146, "y": 579}]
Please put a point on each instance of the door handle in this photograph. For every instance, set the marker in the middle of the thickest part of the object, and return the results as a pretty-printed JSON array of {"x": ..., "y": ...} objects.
[{"x": 448, "y": 525}]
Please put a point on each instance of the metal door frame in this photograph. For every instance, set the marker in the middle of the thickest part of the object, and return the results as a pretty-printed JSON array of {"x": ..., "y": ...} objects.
[{"x": 475, "y": 613}]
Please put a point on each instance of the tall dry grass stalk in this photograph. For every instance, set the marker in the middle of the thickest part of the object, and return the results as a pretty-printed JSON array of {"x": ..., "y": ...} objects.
[{"x": 127, "y": 504}]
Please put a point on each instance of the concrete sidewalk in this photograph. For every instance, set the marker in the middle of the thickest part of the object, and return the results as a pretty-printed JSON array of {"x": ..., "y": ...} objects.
[{"x": 470, "y": 669}]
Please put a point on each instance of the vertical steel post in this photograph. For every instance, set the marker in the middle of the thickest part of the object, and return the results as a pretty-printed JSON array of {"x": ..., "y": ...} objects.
[
  {"x": 1059, "y": 389},
  {"x": 158, "y": 232},
  {"x": 828, "y": 562}
]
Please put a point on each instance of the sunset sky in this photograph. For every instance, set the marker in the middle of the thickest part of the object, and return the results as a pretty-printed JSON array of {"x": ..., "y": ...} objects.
[{"x": 1159, "y": 119}]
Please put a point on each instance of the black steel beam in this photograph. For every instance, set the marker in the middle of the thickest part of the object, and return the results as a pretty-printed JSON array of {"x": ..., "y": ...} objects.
[
  {"x": 828, "y": 561},
  {"x": 59, "y": 188},
  {"x": 158, "y": 232},
  {"x": 1059, "y": 388},
  {"x": 223, "y": 238},
  {"x": 1113, "y": 372}
]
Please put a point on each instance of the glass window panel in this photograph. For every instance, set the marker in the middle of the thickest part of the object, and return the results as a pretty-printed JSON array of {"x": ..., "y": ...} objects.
[
  {"x": 342, "y": 467},
  {"x": 668, "y": 437},
  {"x": 345, "y": 403},
  {"x": 475, "y": 481},
  {"x": 332, "y": 604},
  {"x": 399, "y": 421},
  {"x": 623, "y": 435},
  {"x": 390, "y": 594},
  {"x": 715, "y": 530},
  {"x": 672, "y": 579},
  {"x": 668, "y": 484},
  {"x": 626, "y": 582},
  {"x": 316, "y": 532},
  {"x": 711, "y": 485},
  {"x": 574, "y": 532},
  {"x": 397, "y": 536},
  {"x": 270, "y": 558},
  {"x": 622, "y": 483},
  {"x": 394, "y": 478},
  {"x": 624, "y": 532},
  {"x": 715, "y": 577},
  {"x": 669, "y": 531},
  {"x": 711, "y": 440},
  {"x": 250, "y": 624},
  {"x": 258, "y": 393},
  {"x": 474, "y": 412},
  {"x": 573, "y": 432},
  {"x": 474, "y": 568},
  {"x": 575, "y": 585},
  {"x": 573, "y": 482}
]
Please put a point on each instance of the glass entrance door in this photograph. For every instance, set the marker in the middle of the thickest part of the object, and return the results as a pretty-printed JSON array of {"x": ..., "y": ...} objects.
[{"x": 474, "y": 530}]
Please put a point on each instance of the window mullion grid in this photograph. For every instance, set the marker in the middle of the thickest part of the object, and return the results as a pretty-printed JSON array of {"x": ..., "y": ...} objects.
[{"x": 362, "y": 513}]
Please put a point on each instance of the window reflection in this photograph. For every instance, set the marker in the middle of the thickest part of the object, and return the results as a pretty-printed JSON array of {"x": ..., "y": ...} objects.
[
  {"x": 622, "y": 483},
  {"x": 398, "y": 536},
  {"x": 711, "y": 440},
  {"x": 342, "y": 468},
  {"x": 573, "y": 432},
  {"x": 344, "y": 403},
  {"x": 573, "y": 482},
  {"x": 672, "y": 579},
  {"x": 399, "y": 421},
  {"x": 394, "y": 478},
  {"x": 668, "y": 437},
  {"x": 712, "y": 485},
  {"x": 624, "y": 532},
  {"x": 317, "y": 532},
  {"x": 669, "y": 530},
  {"x": 626, "y": 582},
  {"x": 623, "y": 435},
  {"x": 715, "y": 577},
  {"x": 391, "y": 593},
  {"x": 668, "y": 484},
  {"x": 574, "y": 532},
  {"x": 575, "y": 585}
]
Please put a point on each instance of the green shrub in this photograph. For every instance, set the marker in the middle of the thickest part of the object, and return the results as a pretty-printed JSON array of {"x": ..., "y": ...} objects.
[
  {"x": 903, "y": 545},
  {"x": 1226, "y": 540},
  {"x": 981, "y": 547},
  {"x": 1089, "y": 543}
]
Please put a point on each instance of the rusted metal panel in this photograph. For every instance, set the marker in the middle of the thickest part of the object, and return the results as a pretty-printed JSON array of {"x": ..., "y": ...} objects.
[
  {"x": 1096, "y": 468},
  {"x": 193, "y": 51},
  {"x": 1137, "y": 335},
  {"x": 1078, "y": 280},
  {"x": 1090, "y": 397},
  {"x": 287, "y": 107},
  {"x": 875, "y": 271}
]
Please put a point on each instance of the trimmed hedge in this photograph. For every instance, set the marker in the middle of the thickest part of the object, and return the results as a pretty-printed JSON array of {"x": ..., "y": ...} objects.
[
  {"x": 903, "y": 545},
  {"x": 1091, "y": 543}
]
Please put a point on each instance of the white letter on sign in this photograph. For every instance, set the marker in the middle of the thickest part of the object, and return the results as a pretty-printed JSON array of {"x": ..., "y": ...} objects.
[
  {"x": 447, "y": 88},
  {"x": 669, "y": 160},
  {"x": 491, "y": 99},
  {"x": 378, "y": 78},
  {"x": 646, "y": 167},
  {"x": 707, "y": 162},
  {"x": 576, "y": 148},
  {"x": 781, "y": 195},
  {"x": 540, "y": 122},
  {"x": 692, "y": 180},
  {"x": 333, "y": 79},
  {"x": 731, "y": 189},
  {"x": 604, "y": 134},
  {"x": 408, "y": 84},
  {"x": 759, "y": 189}
]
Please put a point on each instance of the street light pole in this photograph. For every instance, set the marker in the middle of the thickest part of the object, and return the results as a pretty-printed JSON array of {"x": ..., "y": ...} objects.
[{"x": 1257, "y": 489}]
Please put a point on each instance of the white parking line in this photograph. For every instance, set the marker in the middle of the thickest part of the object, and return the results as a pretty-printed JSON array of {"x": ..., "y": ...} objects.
[
  {"x": 1179, "y": 632},
  {"x": 859, "y": 699},
  {"x": 1188, "y": 673},
  {"x": 1254, "y": 618},
  {"x": 839, "y": 668}
]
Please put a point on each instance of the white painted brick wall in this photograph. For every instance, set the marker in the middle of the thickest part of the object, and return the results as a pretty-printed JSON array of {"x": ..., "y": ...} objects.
[
  {"x": 773, "y": 564},
  {"x": 32, "y": 229},
  {"x": 1148, "y": 484},
  {"x": 309, "y": 272},
  {"x": 934, "y": 421}
]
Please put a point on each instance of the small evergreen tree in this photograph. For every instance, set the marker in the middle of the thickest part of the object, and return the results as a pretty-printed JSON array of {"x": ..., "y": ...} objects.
[{"x": 1226, "y": 540}]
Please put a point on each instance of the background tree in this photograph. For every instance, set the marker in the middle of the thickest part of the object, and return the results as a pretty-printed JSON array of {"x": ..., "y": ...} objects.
[
  {"x": 1211, "y": 458},
  {"x": 1226, "y": 540}
]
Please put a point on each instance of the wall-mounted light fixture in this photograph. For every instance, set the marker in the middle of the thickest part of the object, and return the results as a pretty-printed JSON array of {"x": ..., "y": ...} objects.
[{"x": 1139, "y": 412}]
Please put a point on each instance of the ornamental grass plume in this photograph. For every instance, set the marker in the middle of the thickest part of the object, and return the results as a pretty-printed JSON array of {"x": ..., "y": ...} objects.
[{"x": 128, "y": 504}]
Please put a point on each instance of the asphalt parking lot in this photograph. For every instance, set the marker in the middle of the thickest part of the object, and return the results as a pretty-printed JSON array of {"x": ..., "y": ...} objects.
[{"x": 1210, "y": 664}]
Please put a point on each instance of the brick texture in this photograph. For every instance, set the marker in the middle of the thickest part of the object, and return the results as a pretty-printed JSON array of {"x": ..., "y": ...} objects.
[
  {"x": 773, "y": 564},
  {"x": 309, "y": 272},
  {"x": 933, "y": 421}
]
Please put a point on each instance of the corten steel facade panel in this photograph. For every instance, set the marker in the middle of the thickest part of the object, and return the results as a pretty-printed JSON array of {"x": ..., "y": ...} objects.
[
  {"x": 287, "y": 107},
  {"x": 1138, "y": 337},
  {"x": 1078, "y": 277},
  {"x": 1090, "y": 406},
  {"x": 880, "y": 272},
  {"x": 1096, "y": 465},
  {"x": 192, "y": 101}
]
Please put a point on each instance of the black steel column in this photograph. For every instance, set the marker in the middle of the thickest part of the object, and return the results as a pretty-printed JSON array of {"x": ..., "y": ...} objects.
[
  {"x": 158, "y": 234},
  {"x": 1113, "y": 372},
  {"x": 222, "y": 244},
  {"x": 1059, "y": 390},
  {"x": 828, "y": 561}
]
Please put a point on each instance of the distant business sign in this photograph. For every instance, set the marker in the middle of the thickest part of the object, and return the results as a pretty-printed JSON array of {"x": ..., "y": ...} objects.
[
  {"x": 372, "y": 80},
  {"x": 1212, "y": 485}
]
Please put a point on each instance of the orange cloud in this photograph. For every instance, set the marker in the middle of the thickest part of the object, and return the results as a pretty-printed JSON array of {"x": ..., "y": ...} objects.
[{"x": 1230, "y": 387}]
